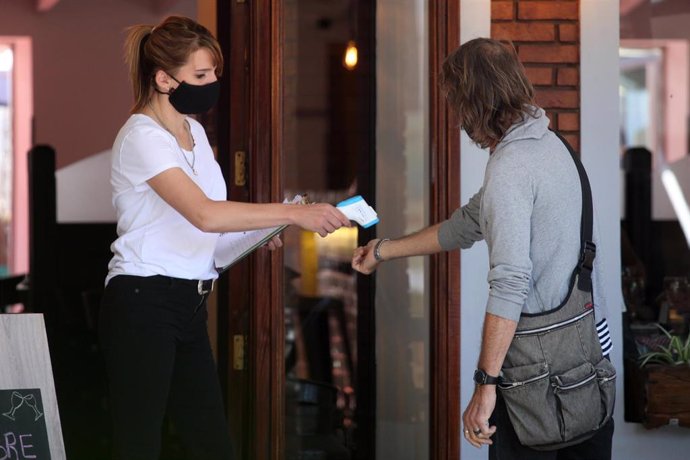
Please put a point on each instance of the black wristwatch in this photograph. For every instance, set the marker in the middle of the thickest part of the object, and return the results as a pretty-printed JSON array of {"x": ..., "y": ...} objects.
[{"x": 482, "y": 378}]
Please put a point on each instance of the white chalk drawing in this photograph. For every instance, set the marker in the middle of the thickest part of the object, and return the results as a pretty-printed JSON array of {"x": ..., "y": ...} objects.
[{"x": 17, "y": 400}]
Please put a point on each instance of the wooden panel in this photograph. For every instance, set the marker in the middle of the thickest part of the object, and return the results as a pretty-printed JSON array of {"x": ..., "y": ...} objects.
[
  {"x": 266, "y": 323},
  {"x": 444, "y": 23},
  {"x": 275, "y": 263},
  {"x": 249, "y": 307},
  {"x": 25, "y": 364},
  {"x": 365, "y": 416},
  {"x": 233, "y": 296}
]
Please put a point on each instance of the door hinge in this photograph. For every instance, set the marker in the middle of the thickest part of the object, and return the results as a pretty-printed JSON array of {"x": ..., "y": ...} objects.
[
  {"x": 238, "y": 354},
  {"x": 240, "y": 168}
]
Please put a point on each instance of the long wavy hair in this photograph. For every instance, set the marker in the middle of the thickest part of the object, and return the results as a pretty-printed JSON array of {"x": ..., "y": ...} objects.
[
  {"x": 167, "y": 47},
  {"x": 486, "y": 86}
]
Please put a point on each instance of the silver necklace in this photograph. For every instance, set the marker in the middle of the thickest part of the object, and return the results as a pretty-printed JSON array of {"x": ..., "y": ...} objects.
[{"x": 191, "y": 137}]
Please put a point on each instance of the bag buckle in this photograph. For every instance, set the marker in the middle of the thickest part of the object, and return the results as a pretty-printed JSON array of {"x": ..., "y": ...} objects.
[
  {"x": 588, "y": 255},
  {"x": 586, "y": 266}
]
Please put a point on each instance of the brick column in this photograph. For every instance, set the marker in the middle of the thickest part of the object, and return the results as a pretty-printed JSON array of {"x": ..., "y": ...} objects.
[{"x": 546, "y": 34}]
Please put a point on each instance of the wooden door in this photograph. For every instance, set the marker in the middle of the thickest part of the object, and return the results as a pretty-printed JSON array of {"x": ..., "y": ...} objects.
[{"x": 251, "y": 335}]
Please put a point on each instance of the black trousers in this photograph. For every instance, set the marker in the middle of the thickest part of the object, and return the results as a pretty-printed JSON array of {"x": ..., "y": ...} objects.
[
  {"x": 158, "y": 357},
  {"x": 507, "y": 446}
]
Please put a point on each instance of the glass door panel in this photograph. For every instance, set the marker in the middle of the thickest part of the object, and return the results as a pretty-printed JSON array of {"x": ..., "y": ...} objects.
[
  {"x": 334, "y": 148},
  {"x": 326, "y": 138},
  {"x": 402, "y": 184}
]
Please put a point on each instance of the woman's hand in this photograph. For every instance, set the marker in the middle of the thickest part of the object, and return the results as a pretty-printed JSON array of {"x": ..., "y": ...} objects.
[
  {"x": 321, "y": 218},
  {"x": 363, "y": 258},
  {"x": 274, "y": 243}
]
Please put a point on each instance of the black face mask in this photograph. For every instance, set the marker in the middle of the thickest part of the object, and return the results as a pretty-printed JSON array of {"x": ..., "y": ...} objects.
[{"x": 194, "y": 99}]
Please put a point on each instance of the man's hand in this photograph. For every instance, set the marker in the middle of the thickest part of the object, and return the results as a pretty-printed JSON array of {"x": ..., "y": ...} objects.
[
  {"x": 363, "y": 258},
  {"x": 475, "y": 419}
]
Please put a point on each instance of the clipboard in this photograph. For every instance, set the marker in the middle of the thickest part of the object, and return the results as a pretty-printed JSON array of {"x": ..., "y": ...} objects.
[{"x": 232, "y": 247}]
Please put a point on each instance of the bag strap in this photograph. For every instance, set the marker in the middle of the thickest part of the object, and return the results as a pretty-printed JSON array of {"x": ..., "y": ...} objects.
[{"x": 588, "y": 249}]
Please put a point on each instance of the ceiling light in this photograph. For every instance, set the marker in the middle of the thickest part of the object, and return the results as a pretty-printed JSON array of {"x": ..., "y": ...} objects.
[{"x": 350, "y": 59}]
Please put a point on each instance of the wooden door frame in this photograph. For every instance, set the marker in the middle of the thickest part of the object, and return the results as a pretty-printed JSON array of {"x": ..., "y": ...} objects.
[
  {"x": 444, "y": 439},
  {"x": 266, "y": 337},
  {"x": 255, "y": 75},
  {"x": 233, "y": 136}
]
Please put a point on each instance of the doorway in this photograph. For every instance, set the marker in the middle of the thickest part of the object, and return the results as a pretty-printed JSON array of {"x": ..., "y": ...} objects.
[
  {"x": 315, "y": 359},
  {"x": 16, "y": 114},
  {"x": 328, "y": 131},
  {"x": 6, "y": 156}
]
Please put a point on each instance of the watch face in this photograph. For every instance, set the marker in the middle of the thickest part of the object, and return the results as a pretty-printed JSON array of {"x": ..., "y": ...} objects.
[{"x": 479, "y": 377}]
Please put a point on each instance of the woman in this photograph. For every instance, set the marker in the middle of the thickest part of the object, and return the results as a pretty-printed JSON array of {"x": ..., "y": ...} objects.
[{"x": 170, "y": 200}]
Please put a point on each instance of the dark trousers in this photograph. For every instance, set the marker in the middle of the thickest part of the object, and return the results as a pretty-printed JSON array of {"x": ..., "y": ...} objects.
[
  {"x": 158, "y": 357},
  {"x": 506, "y": 445}
]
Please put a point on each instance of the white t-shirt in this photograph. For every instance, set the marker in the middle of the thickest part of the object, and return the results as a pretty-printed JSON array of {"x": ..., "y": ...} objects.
[{"x": 153, "y": 238}]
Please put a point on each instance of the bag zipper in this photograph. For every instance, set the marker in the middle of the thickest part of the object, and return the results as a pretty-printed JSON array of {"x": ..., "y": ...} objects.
[
  {"x": 508, "y": 386},
  {"x": 554, "y": 326},
  {"x": 607, "y": 379},
  {"x": 575, "y": 385}
]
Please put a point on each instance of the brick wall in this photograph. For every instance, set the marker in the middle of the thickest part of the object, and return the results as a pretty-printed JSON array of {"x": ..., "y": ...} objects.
[{"x": 546, "y": 34}]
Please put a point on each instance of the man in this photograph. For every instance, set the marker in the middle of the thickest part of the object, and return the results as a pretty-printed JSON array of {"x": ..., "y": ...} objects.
[{"x": 529, "y": 213}]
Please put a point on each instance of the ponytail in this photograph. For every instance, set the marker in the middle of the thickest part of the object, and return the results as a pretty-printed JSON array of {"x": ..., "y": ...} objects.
[{"x": 140, "y": 70}]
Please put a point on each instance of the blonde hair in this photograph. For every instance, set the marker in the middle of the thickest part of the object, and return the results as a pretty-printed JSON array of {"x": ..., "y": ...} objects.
[
  {"x": 166, "y": 47},
  {"x": 486, "y": 86}
]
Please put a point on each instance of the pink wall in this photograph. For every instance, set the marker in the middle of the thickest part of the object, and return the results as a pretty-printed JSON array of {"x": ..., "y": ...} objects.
[
  {"x": 22, "y": 91},
  {"x": 665, "y": 25},
  {"x": 81, "y": 91}
]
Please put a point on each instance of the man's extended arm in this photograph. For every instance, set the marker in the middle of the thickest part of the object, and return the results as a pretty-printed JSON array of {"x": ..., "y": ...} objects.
[
  {"x": 423, "y": 242},
  {"x": 462, "y": 229}
]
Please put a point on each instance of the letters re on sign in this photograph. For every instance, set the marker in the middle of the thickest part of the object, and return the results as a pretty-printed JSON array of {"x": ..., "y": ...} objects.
[{"x": 23, "y": 433}]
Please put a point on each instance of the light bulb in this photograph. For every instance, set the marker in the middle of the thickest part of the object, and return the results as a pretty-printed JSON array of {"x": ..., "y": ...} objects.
[{"x": 350, "y": 59}]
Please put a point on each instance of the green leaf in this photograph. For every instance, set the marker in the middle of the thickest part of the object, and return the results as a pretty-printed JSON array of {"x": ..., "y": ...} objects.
[
  {"x": 677, "y": 351},
  {"x": 666, "y": 333}
]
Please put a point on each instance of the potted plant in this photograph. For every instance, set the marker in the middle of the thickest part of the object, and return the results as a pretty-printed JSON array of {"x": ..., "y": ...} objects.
[{"x": 668, "y": 380}]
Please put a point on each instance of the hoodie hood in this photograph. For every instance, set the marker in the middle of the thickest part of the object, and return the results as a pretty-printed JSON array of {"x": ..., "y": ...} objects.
[{"x": 530, "y": 127}]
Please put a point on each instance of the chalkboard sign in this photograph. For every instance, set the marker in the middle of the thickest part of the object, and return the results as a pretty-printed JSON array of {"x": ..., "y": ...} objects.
[
  {"x": 26, "y": 382},
  {"x": 23, "y": 433}
]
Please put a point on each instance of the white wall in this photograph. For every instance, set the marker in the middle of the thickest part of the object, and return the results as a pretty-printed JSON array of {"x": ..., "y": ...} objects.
[
  {"x": 475, "y": 21},
  {"x": 600, "y": 131},
  {"x": 83, "y": 191},
  {"x": 662, "y": 209}
]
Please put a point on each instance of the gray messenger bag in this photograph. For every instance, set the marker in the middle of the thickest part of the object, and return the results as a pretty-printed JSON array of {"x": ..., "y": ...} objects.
[{"x": 557, "y": 386}]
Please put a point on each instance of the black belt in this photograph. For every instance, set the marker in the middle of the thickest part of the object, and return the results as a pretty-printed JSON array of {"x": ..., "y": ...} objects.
[{"x": 203, "y": 287}]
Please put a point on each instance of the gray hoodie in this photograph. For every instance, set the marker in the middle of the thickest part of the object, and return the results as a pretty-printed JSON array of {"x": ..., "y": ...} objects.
[{"x": 528, "y": 211}]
